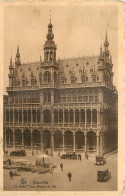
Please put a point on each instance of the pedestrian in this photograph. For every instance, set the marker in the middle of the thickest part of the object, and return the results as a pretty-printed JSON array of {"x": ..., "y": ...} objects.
[
  {"x": 43, "y": 160},
  {"x": 80, "y": 157},
  {"x": 11, "y": 175},
  {"x": 51, "y": 169},
  {"x": 69, "y": 176},
  {"x": 61, "y": 166},
  {"x": 59, "y": 153}
]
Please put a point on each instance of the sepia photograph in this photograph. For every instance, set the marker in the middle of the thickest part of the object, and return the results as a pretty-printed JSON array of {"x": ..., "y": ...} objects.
[{"x": 60, "y": 103}]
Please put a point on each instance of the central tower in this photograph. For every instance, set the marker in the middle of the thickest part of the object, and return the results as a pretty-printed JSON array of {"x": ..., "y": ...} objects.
[{"x": 50, "y": 46}]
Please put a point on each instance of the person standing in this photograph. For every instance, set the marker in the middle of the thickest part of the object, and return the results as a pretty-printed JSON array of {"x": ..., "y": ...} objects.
[
  {"x": 11, "y": 175},
  {"x": 61, "y": 166},
  {"x": 69, "y": 176}
]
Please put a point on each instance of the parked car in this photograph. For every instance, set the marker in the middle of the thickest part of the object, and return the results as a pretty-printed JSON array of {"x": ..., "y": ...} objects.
[
  {"x": 103, "y": 176},
  {"x": 69, "y": 155},
  {"x": 100, "y": 160},
  {"x": 18, "y": 153}
]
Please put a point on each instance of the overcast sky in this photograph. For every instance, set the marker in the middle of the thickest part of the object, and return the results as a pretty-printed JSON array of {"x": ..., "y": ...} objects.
[{"x": 78, "y": 31}]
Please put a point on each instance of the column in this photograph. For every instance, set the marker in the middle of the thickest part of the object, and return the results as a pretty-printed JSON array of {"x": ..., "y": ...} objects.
[
  {"x": 63, "y": 142},
  {"x": 74, "y": 143},
  {"x": 68, "y": 117},
  {"x": 79, "y": 116},
  {"x": 13, "y": 139},
  {"x": 97, "y": 144},
  {"x": 22, "y": 140},
  {"x": 101, "y": 147},
  {"x": 27, "y": 116},
  {"x": 9, "y": 136},
  {"x": 63, "y": 117},
  {"x": 52, "y": 143},
  {"x": 31, "y": 142},
  {"x": 41, "y": 135},
  {"x": 74, "y": 116},
  {"x": 98, "y": 118},
  {"x": 58, "y": 116},
  {"x": 18, "y": 115},
  {"x": 36, "y": 116},
  {"x": 91, "y": 118},
  {"x": 85, "y": 142},
  {"x": 5, "y": 141},
  {"x": 85, "y": 119}
]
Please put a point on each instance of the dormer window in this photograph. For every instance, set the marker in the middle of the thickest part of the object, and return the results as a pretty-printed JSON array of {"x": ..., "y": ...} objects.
[
  {"x": 47, "y": 77},
  {"x": 83, "y": 78},
  {"x": 94, "y": 78},
  {"x": 73, "y": 79}
]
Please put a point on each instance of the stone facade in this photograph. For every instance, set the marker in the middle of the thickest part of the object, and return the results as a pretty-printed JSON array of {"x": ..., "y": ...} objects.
[{"x": 66, "y": 104}]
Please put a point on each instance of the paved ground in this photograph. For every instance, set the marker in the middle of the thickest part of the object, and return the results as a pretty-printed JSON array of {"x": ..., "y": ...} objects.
[{"x": 84, "y": 176}]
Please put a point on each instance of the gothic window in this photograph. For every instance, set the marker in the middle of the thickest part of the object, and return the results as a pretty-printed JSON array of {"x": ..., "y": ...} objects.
[
  {"x": 64, "y": 99},
  {"x": 96, "y": 98},
  {"x": 55, "y": 77},
  {"x": 74, "y": 99},
  {"x": 79, "y": 98},
  {"x": 47, "y": 97},
  {"x": 47, "y": 77},
  {"x": 85, "y": 98},
  {"x": 73, "y": 79},
  {"x": 83, "y": 78},
  {"x": 94, "y": 78},
  {"x": 90, "y": 98},
  {"x": 69, "y": 99}
]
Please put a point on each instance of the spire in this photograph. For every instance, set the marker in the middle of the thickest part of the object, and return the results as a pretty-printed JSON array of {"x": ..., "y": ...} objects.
[
  {"x": 101, "y": 53},
  {"x": 106, "y": 43},
  {"x": 11, "y": 64},
  {"x": 50, "y": 16},
  {"x": 18, "y": 54}
]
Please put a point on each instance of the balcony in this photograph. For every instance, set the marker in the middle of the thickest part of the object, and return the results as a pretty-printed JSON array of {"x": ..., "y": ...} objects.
[{"x": 22, "y": 88}]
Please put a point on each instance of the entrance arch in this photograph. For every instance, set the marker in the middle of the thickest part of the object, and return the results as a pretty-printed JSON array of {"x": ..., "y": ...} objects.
[
  {"x": 9, "y": 137},
  {"x": 58, "y": 139},
  {"x": 36, "y": 137},
  {"x": 27, "y": 137},
  {"x": 91, "y": 140},
  {"x": 46, "y": 139},
  {"x": 18, "y": 137},
  {"x": 80, "y": 140},
  {"x": 68, "y": 138}
]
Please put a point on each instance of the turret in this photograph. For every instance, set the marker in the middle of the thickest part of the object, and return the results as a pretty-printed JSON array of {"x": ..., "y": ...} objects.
[
  {"x": 17, "y": 59},
  {"x": 11, "y": 73},
  {"x": 50, "y": 47}
]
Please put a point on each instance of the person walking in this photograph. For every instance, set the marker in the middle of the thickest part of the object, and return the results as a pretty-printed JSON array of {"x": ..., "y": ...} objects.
[
  {"x": 11, "y": 175},
  {"x": 61, "y": 166},
  {"x": 69, "y": 176}
]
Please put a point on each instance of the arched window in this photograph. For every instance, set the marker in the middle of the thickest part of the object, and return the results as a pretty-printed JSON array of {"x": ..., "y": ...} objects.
[
  {"x": 83, "y": 78},
  {"x": 73, "y": 79},
  {"x": 47, "y": 77},
  {"x": 94, "y": 78}
]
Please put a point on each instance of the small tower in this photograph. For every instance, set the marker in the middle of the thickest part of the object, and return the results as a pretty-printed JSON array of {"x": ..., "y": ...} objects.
[
  {"x": 11, "y": 73},
  {"x": 106, "y": 50},
  {"x": 50, "y": 47},
  {"x": 17, "y": 59},
  {"x": 101, "y": 57}
]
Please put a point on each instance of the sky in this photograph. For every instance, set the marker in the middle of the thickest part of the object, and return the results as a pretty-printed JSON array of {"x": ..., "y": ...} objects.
[{"x": 78, "y": 31}]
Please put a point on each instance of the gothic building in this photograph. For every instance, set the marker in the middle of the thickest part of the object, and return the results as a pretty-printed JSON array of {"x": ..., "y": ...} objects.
[{"x": 66, "y": 104}]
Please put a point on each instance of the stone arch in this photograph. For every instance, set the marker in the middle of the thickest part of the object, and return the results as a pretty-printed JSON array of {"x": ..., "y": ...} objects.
[
  {"x": 18, "y": 137},
  {"x": 47, "y": 77},
  {"x": 36, "y": 137},
  {"x": 27, "y": 137},
  {"x": 80, "y": 139},
  {"x": 77, "y": 115},
  {"x": 91, "y": 140},
  {"x": 82, "y": 115},
  {"x": 66, "y": 115},
  {"x": 58, "y": 139},
  {"x": 68, "y": 139},
  {"x": 94, "y": 116},
  {"x": 88, "y": 113},
  {"x": 46, "y": 139},
  {"x": 55, "y": 116},
  {"x": 9, "y": 136},
  {"x": 47, "y": 116},
  {"x": 16, "y": 115},
  {"x": 60, "y": 116},
  {"x": 71, "y": 115}
]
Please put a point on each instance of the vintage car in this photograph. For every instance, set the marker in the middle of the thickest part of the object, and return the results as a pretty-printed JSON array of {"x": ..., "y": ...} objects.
[
  {"x": 69, "y": 155},
  {"x": 18, "y": 153},
  {"x": 100, "y": 160},
  {"x": 103, "y": 176}
]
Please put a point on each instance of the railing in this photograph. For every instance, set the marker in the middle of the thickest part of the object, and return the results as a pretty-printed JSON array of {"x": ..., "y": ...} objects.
[
  {"x": 61, "y": 86},
  {"x": 22, "y": 88}
]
